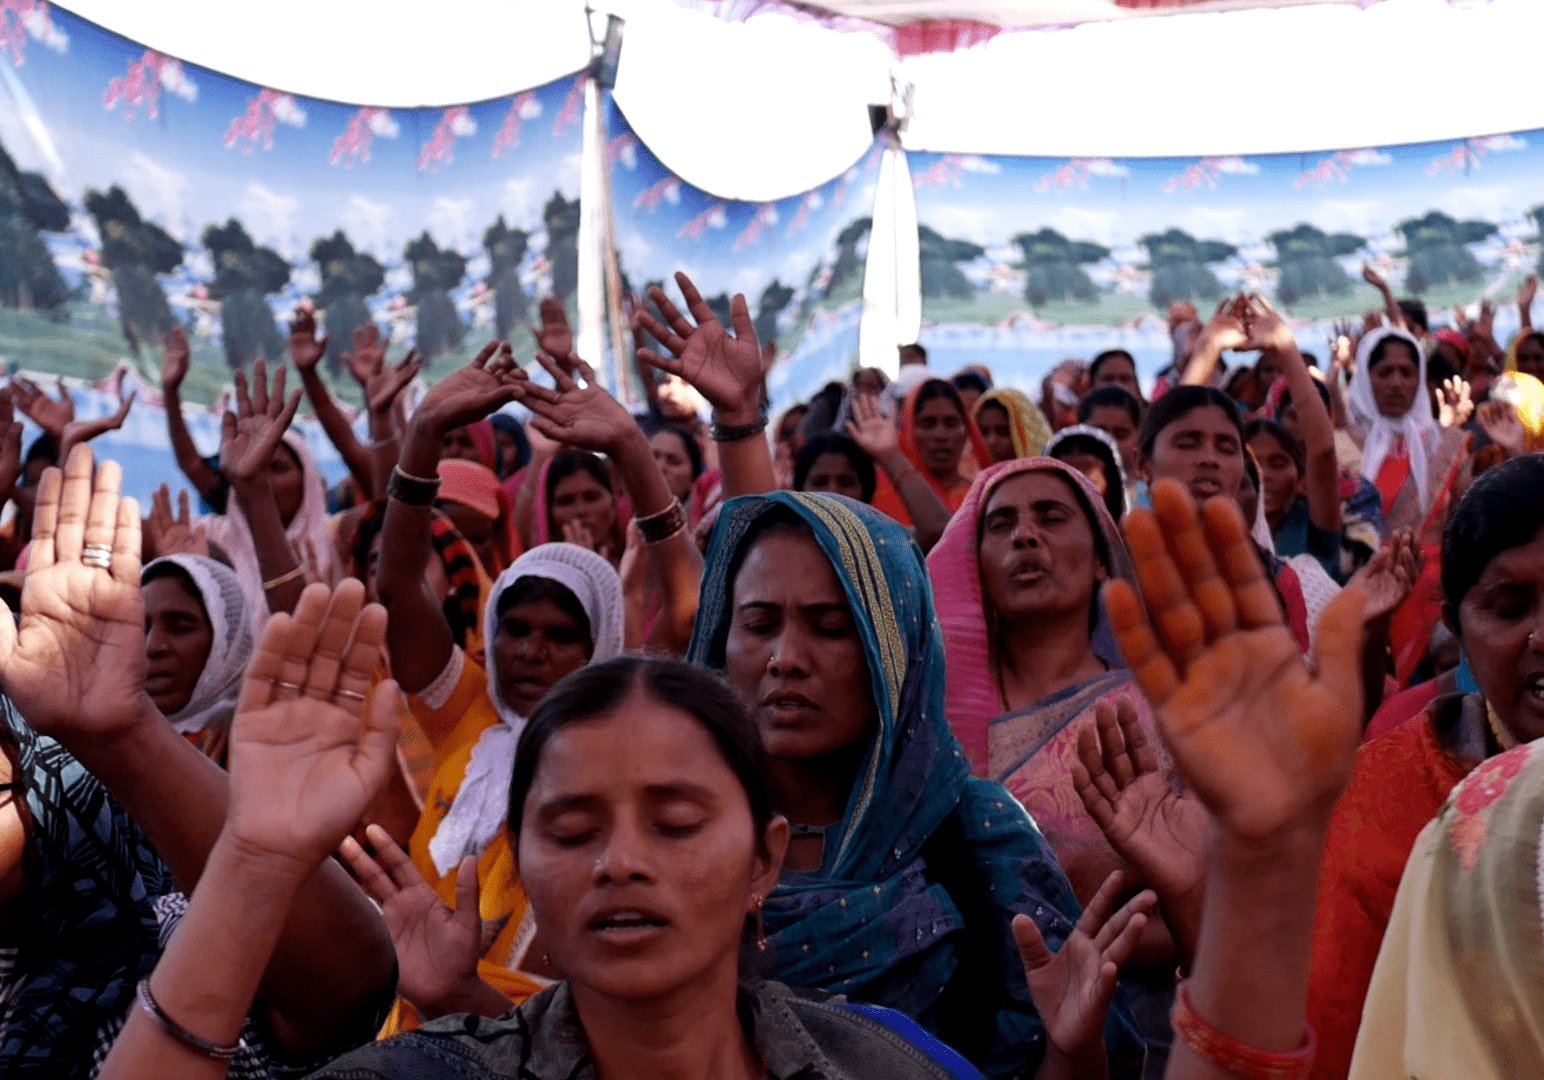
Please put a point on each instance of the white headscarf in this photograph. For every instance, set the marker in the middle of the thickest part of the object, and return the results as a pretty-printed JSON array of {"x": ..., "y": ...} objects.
[
  {"x": 481, "y": 804},
  {"x": 1416, "y": 426},
  {"x": 230, "y": 648},
  {"x": 1098, "y": 435},
  {"x": 308, "y": 534}
]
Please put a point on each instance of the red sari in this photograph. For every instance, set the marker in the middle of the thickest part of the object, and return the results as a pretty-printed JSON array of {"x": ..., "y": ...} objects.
[{"x": 888, "y": 501}]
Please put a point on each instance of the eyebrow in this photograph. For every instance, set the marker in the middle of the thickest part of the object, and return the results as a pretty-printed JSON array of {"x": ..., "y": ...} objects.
[{"x": 580, "y": 803}]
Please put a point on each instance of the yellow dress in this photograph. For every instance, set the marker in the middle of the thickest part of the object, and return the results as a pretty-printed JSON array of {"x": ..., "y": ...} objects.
[{"x": 507, "y": 923}]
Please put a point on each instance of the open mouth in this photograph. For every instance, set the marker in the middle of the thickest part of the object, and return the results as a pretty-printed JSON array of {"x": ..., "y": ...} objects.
[{"x": 627, "y": 925}]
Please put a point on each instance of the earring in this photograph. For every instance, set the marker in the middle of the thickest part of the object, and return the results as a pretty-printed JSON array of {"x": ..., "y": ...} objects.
[{"x": 761, "y": 929}]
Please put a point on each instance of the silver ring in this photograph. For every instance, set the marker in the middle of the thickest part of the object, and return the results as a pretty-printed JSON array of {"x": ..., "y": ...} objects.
[
  {"x": 97, "y": 556},
  {"x": 352, "y": 695},
  {"x": 295, "y": 686}
]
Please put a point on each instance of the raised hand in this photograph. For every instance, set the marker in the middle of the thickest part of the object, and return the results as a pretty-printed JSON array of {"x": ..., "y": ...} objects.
[
  {"x": 82, "y": 431},
  {"x": 175, "y": 359},
  {"x": 76, "y": 662},
  {"x": 871, "y": 429},
  {"x": 168, "y": 535},
  {"x": 726, "y": 369},
  {"x": 1456, "y": 406},
  {"x": 437, "y": 946},
  {"x": 1501, "y": 422},
  {"x": 306, "y": 348},
  {"x": 586, "y": 417},
  {"x": 554, "y": 336},
  {"x": 10, "y": 446},
  {"x": 466, "y": 396},
  {"x": 386, "y": 385},
  {"x": 250, "y": 433},
  {"x": 1525, "y": 295},
  {"x": 578, "y": 533},
  {"x": 307, "y": 756},
  {"x": 1072, "y": 987},
  {"x": 1159, "y": 829},
  {"x": 1373, "y": 278},
  {"x": 369, "y": 354},
  {"x": 50, "y": 415},
  {"x": 1264, "y": 327},
  {"x": 1389, "y": 576},
  {"x": 1266, "y": 743}
]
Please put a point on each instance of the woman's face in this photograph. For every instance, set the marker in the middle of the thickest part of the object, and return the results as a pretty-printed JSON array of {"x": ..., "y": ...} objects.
[
  {"x": 1278, "y": 476},
  {"x": 833, "y": 473},
  {"x": 1202, "y": 450},
  {"x": 509, "y": 451},
  {"x": 1501, "y": 625},
  {"x": 992, "y": 422},
  {"x": 869, "y": 381},
  {"x": 793, "y": 653},
  {"x": 1090, "y": 465},
  {"x": 177, "y": 642},
  {"x": 1116, "y": 422},
  {"x": 288, "y": 482},
  {"x": 580, "y": 497},
  {"x": 1396, "y": 379},
  {"x": 1118, "y": 371},
  {"x": 640, "y": 855},
  {"x": 1037, "y": 553},
  {"x": 671, "y": 457},
  {"x": 940, "y": 436},
  {"x": 479, "y": 530},
  {"x": 535, "y": 645},
  {"x": 457, "y": 444},
  {"x": 1530, "y": 356}
]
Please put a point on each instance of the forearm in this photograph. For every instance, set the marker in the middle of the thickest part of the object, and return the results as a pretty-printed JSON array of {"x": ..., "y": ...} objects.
[
  {"x": 1391, "y": 308},
  {"x": 475, "y": 998},
  {"x": 745, "y": 464},
  {"x": 1092, "y": 1064},
  {"x": 275, "y": 558},
  {"x": 336, "y": 425},
  {"x": 192, "y": 464},
  {"x": 333, "y": 956},
  {"x": 385, "y": 445},
  {"x": 1375, "y": 666},
  {"x": 1323, "y": 473},
  {"x": 1341, "y": 415},
  {"x": 1203, "y": 363},
  {"x": 1250, "y": 979},
  {"x": 418, "y": 640},
  {"x": 929, "y": 515},
  {"x": 209, "y": 974}
]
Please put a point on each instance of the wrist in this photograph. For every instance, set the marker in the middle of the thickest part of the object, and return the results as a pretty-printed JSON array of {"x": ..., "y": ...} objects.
[
  {"x": 1280, "y": 854},
  {"x": 1085, "y": 1062},
  {"x": 125, "y": 737},
  {"x": 737, "y": 413},
  {"x": 894, "y": 463},
  {"x": 263, "y": 873},
  {"x": 250, "y": 490}
]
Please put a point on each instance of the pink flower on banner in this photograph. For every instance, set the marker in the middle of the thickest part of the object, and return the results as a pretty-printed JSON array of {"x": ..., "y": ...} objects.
[
  {"x": 666, "y": 190},
  {"x": 23, "y": 19},
  {"x": 524, "y": 107},
  {"x": 354, "y": 144},
  {"x": 437, "y": 151},
  {"x": 1076, "y": 172},
  {"x": 573, "y": 105},
  {"x": 264, "y": 113},
  {"x": 1470, "y": 153},
  {"x": 811, "y": 202},
  {"x": 766, "y": 215},
  {"x": 951, "y": 169},
  {"x": 1338, "y": 166},
  {"x": 1207, "y": 172},
  {"x": 142, "y": 86},
  {"x": 713, "y": 217},
  {"x": 624, "y": 149},
  {"x": 842, "y": 184}
]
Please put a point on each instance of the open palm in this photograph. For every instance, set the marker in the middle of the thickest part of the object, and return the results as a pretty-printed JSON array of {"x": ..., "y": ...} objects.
[
  {"x": 437, "y": 946},
  {"x": 303, "y": 767},
  {"x": 1072, "y": 987},
  {"x": 726, "y": 369},
  {"x": 1265, "y": 742},
  {"x": 466, "y": 396},
  {"x": 583, "y": 416},
  {"x": 250, "y": 434},
  {"x": 871, "y": 429},
  {"x": 306, "y": 346}
]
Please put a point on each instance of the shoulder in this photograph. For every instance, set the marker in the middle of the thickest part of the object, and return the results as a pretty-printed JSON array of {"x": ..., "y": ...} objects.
[{"x": 859, "y": 1042}]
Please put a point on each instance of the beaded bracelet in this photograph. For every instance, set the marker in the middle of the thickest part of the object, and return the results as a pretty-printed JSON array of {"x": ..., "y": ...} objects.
[
  {"x": 1235, "y": 1057},
  {"x": 180, "y": 1033},
  {"x": 662, "y": 525},
  {"x": 738, "y": 432}
]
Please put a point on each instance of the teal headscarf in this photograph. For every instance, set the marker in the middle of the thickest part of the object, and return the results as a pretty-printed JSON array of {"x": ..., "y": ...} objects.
[{"x": 920, "y": 880}]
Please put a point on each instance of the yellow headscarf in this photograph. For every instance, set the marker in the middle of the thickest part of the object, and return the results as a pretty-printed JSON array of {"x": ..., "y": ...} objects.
[
  {"x": 1526, "y": 393},
  {"x": 1026, "y": 423}
]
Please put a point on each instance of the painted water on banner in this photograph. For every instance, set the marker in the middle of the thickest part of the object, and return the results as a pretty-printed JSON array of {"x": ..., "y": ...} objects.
[
  {"x": 799, "y": 261},
  {"x": 1027, "y": 261},
  {"x": 139, "y": 192}
]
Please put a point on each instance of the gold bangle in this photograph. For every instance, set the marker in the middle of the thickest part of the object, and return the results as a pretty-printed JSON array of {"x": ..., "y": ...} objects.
[{"x": 284, "y": 579}]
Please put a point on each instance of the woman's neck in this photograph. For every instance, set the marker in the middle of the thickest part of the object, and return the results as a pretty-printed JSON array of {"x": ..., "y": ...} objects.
[
  {"x": 691, "y": 1034},
  {"x": 1043, "y": 654},
  {"x": 815, "y": 792},
  {"x": 946, "y": 478}
]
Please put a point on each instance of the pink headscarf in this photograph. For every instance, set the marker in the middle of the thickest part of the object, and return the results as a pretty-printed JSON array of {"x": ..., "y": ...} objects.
[
  {"x": 477, "y": 488},
  {"x": 972, "y": 698}
]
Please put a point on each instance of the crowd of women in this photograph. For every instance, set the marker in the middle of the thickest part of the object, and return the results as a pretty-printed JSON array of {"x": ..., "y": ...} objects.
[{"x": 933, "y": 732}]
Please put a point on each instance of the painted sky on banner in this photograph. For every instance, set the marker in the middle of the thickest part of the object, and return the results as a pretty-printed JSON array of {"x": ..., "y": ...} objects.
[
  {"x": 1239, "y": 201},
  {"x": 664, "y": 224}
]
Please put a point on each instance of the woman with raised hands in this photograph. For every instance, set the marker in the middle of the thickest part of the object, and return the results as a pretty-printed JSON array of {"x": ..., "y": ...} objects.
[
  {"x": 556, "y": 608},
  {"x": 93, "y": 885},
  {"x": 589, "y": 418},
  {"x": 1267, "y": 744},
  {"x": 908, "y": 883},
  {"x": 275, "y": 528},
  {"x": 307, "y": 757}
]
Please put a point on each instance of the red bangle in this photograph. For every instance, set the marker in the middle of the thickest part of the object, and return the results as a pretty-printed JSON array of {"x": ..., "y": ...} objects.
[{"x": 1235, "y": 1057}]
